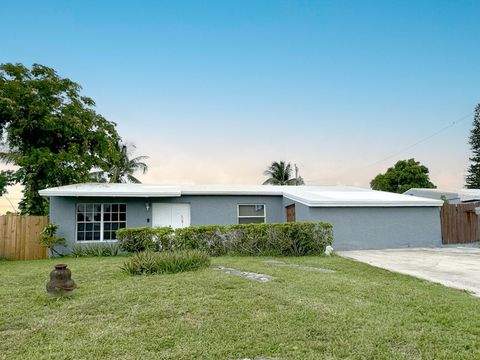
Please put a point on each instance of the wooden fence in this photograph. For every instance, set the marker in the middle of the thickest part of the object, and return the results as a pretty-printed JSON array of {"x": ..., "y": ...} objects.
[
  {"x": 460, "y": 223},
  {"x": 19, "y": 237}
]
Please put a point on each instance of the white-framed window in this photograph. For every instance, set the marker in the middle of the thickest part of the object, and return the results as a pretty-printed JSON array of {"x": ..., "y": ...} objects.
[
  {"x": 251, "y": 213},
  {"x": 99, "y": 222}
]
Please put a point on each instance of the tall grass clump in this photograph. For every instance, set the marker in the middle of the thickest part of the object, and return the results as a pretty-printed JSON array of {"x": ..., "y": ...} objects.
[
  {"x": 112, "y": 249},
  {"x": 168, "y": 262}
]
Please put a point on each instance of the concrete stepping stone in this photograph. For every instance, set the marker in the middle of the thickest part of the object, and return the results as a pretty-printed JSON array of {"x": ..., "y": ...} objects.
[
  {"x": 244, "y": 274},
  {"x": 296, "y": 266}
]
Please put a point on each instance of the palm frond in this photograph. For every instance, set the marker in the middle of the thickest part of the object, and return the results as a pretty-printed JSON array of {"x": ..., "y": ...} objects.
[
  {"x": 279, "y": 173},
  {"x": 98, "y": 176},
  {"x": 271, "y": 181},
  {"x": 120, "y": 168},
  {"x": 140, "y": 158},
  {"x": 9, "y": 157},
  {"x": 133, "y": 179},
  {"x": 134, "y": 166}
]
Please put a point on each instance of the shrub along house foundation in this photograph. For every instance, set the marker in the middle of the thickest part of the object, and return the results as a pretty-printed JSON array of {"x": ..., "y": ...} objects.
[{"x": 361, "y": 218}]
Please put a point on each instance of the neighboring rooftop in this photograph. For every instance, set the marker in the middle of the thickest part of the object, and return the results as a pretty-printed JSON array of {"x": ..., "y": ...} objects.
[
  {"x": 469, "y": 195},
  {"x": 453, "y": 196},
  {"x": 314, "y": 196}
]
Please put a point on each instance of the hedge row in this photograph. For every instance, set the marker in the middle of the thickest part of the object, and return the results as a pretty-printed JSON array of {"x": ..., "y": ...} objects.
[{"x": 295, "y": 239}]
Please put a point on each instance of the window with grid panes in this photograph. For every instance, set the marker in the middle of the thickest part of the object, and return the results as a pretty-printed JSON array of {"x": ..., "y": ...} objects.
[
  {"x": 99, "y": 222},
  {"x": 251, "y": 213}
]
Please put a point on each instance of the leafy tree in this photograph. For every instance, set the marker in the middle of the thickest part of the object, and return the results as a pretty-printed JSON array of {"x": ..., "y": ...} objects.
[
  {"x": 473, "y": 176},
  {"x": 53, "y": 134},
  {"x": 280, "y": 173},
  {"x": 122, "y": 168},
  {"x": 404, "y": 175},
  {"x": 6, "y": 179}
]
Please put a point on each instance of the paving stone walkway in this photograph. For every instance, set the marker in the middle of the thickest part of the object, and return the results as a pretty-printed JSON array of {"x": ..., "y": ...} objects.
[
  {"x": 245, "y": 274},
  {"x": 296, "y": 266}
]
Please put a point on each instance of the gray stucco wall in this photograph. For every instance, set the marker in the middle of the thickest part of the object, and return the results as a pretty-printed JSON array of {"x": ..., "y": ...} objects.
[
  {"x": 63, "y": 213},
  {"x": 205, "y": 210},
  {"x": 378, "y": 227},
  {"x": 222, "y": 210},
  {"x": 354, "y": 228}
]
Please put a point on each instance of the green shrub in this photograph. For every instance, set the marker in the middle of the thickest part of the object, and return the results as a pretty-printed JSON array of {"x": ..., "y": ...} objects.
[
  {"x": 287, "y": 239},
  {"x": 210, "y": 238},
  {"x": 110, "y": 249},
  {"x": 77, "y": 251},
  {"x": 168, "y": 262},
  {"x": 50, "y": 240},
  {"x": 142, "y": 239}
]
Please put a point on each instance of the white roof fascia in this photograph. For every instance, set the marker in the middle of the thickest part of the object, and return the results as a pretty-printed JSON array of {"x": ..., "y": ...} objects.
[
  {"x": 230, "y": 190},
  {"x": 109, "y": 192}
]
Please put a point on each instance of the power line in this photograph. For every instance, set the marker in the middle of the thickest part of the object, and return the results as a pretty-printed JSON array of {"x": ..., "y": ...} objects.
[
  {"x": 13, "y": 207},
  {"x": 408, "y": 147},
  {"x": 453, "y": 123}
]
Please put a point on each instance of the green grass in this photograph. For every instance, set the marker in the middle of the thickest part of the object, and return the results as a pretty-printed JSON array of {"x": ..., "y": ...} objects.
[{"x": 359, "y": 312}]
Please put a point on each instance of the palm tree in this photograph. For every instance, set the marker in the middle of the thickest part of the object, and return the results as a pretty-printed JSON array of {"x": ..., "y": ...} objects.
[
  {"x": 121, "y": 170},
  {"x": 279, "y": 173},
  {"x": 9, "y": 157}
]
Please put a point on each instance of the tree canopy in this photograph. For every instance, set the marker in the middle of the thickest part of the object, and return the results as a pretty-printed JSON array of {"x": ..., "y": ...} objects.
[
  {"x": 6, "y": 179},
  {"x": 280, "y": 173},
  {"x": 404, "y": 175},
  {"x": 121, "y": 169},
  {"x": 472, "y": 180},
  {"x": 50, "y": 131}
]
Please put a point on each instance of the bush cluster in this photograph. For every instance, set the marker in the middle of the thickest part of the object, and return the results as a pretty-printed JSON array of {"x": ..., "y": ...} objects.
[
  {"x": 112, "y": 249},
  {"x": 49, "y": 239},
  {"x": 146, "y": 238},
  {"x": 169, "y": 262},
  {"x": 287, "y": 239}
]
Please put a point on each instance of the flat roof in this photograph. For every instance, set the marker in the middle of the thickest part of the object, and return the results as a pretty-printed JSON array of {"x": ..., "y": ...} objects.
[
  {"x": 469, "y": 194},
  {"x": 313, "y": 196},
  {"x": 464, "y": 195},
  {"x": 433, "y": 193}
]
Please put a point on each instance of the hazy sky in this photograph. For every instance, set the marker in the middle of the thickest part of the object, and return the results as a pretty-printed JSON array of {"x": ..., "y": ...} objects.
[{"x": 213, "y": 91}]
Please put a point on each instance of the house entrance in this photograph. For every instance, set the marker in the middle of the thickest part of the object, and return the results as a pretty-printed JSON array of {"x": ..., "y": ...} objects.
[
  {"x": 174, "y": 215},
  {"x": 290, "y": 209}
]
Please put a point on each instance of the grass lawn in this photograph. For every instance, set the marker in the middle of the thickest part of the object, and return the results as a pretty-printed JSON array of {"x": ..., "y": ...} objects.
[{"x": 359, "y": 312}]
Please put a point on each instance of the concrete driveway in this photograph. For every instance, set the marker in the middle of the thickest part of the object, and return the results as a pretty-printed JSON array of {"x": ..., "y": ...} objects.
[{"x": 454, "y": 267}]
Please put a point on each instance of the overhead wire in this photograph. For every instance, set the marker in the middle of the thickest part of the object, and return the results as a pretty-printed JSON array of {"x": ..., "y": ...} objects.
[
  {"x": 408, "y": 147},
  {"x": 453, "y": 123}
]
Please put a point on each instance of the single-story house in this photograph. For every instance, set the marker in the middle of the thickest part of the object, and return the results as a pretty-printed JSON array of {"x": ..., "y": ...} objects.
[
  {"x": 452, "y": 196},
  {"x": 361, "y": 218}
]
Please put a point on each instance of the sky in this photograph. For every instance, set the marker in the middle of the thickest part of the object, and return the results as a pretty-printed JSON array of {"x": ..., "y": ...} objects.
[{"x": 214, "y": 91}]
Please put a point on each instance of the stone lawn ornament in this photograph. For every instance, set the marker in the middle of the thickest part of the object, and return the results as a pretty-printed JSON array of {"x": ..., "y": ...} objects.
[
  {"x": 61, "y": 283},
  {"x": 245, "y": 274},
  {"x": 296, "y": 266},
  {"x": 328, "y": 250}
]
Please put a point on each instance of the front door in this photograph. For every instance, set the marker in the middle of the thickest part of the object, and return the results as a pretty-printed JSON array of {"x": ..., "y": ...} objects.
[{"x": 174, "y": 215}]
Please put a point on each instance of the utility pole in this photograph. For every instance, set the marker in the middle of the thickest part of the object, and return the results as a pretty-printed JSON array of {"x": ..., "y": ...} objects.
[{"x": 296, "y": 174}]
